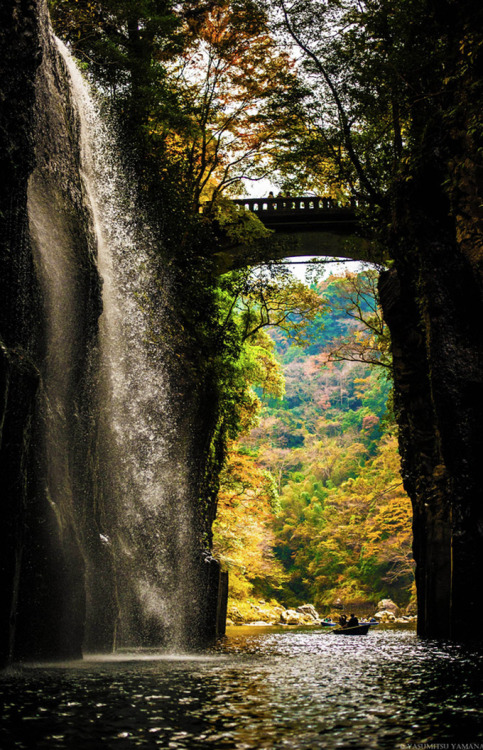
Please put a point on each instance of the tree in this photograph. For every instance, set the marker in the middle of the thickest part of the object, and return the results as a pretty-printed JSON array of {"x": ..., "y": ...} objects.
[
  {"x": 248, "y": 303},
  {"x": 350, "y": 540},
  {"x": 125, "y": 46},
  {"x": 200, "y": 85},
  {"x": 355, "y": 108},
  {"x": 230, "y": 80},
  {"x": 368, "y": 340},
  {"x": 243, "y": 538}
]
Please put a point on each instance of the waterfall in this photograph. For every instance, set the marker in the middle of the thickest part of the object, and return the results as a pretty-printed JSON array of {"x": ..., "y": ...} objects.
[
  {"x": 56, "y": 269},
  {"x": 145, "y": 521}
]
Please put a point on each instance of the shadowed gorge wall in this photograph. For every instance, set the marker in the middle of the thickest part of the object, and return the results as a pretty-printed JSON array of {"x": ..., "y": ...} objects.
[
  {"x": 433, "y": 303},
  {"x": 20, "y": 327},
  {"x": 104, "y": 542},
  {"x": 54, "y": 305}
]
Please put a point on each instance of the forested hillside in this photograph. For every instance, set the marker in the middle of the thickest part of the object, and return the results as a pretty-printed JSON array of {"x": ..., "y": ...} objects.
[{"x": 312, "y": 506}]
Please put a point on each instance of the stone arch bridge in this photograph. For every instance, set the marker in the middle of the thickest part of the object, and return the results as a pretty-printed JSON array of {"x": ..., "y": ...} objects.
[{"x": 301, "y": 226}]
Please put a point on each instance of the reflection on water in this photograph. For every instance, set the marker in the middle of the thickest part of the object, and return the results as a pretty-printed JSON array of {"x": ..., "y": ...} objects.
[{"x": 261, "y": 689}]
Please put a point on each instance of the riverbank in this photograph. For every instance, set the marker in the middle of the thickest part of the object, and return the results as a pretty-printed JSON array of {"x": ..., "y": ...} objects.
[{"x": 261, "y": 613}]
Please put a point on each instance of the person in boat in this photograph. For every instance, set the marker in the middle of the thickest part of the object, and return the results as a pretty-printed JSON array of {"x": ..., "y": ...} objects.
[
  {"x": 342, "y": 621},
  {"x": 353, "y": 621}
]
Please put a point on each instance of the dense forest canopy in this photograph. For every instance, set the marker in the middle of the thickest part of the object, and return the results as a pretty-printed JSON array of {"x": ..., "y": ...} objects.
[
  {"x": 331, "y": 96},
  {"x": 311, "y": 506},
  {"x": 201, "y": 85}
]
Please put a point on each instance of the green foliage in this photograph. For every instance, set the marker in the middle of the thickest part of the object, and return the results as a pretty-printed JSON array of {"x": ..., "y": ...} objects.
[
  {"x": 343, "y": 528},
  {"x": 240, "y": 226},
  {"x": 243, "y": 538},
  {"x": 390, "y": 108},
  {"x": 247, "y": 304},
  {"x": 358, "y": 539},
  {"x": 126, "y": 46}
]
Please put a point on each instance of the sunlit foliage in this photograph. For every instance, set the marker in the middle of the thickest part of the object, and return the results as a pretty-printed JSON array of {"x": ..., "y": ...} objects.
[
  {"x": 229, "y": 81},
  {"x": 343, "y": 527},
  {"x": 243, "y": 537}
]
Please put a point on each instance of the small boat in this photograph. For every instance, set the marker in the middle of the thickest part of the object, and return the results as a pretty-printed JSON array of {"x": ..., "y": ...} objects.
[
  {"x": 361, "y": 629},
  {"x": 325, "y": 624}
]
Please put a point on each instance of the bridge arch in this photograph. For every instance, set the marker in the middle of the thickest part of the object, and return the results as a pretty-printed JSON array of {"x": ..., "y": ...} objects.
[{"x": 302, "y": 226}]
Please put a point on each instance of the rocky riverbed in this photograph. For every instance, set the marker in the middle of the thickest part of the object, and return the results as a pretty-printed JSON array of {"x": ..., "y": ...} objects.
[{"x": 267, "y": 613}]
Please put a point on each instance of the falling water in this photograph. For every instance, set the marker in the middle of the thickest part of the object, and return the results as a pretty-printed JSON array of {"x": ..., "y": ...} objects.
[
  {"x": 50, "y": 236},
  {"x": 146, "y": 522}
]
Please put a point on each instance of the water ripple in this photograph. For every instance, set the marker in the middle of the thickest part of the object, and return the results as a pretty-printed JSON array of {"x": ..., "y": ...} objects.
[{"x": 264, "y": 690}]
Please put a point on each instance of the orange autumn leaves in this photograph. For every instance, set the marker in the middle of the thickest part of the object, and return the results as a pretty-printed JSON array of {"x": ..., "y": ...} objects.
[{"x": 243, "y": 532}]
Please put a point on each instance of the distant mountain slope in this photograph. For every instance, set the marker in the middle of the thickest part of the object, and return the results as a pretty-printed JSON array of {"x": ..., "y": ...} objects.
[{"x": 341, "y": 528}]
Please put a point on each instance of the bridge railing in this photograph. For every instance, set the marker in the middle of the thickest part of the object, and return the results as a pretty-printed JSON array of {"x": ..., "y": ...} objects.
[{"x": 290, "y": 204}]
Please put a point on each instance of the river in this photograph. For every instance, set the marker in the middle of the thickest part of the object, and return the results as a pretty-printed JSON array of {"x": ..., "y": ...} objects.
[{"x": 262, "y": 688}]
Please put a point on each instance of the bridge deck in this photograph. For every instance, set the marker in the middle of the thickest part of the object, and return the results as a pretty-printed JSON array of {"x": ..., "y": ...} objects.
[
  {"x": 300, "y": 214},
  {"x": 303, "y": 226}
]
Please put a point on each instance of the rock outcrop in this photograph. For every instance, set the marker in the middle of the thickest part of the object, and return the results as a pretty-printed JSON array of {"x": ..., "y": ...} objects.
[
  {"x": 387, "y": 605},
  {"x": 433, "y": 302},
  {"x": 264, "y": 613},
  {"x": 20, "y": 52},
  {"x": 309, "y": 609},
  {"x": 42, "y": 199}
]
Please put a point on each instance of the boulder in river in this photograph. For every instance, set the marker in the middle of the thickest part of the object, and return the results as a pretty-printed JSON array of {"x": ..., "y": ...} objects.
[
  {"x": 385, "y": 615},
  {"x": 291, "y": 617},
  {"x": 309, "y": 609},
  {"x": 388, "y": 605}
]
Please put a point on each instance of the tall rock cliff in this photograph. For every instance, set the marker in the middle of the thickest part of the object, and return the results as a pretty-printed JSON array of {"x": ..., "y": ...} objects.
[
  {"x": 20, "y": 53},
  {"x": 433, "y": 302},
  {"x": 103, "y": 534},
  {"x": 50, "y": 305}
]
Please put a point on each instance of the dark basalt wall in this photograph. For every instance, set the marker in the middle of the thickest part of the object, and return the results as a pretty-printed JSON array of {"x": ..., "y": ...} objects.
[
  {"x": 42, "y": 566},
  {"x": 433, "y": 303},
  {"x": 20, "y": 55}
]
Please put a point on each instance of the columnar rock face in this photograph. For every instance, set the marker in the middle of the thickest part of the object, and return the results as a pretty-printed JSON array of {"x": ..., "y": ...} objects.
[
  {"x": 50, "y": 306},
  {"x": 433, "y": 303},
  {"x": 19, "y": 375}
]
